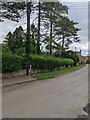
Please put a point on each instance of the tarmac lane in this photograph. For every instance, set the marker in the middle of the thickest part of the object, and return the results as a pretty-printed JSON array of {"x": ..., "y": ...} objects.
[{"x": 59, "y": 97}]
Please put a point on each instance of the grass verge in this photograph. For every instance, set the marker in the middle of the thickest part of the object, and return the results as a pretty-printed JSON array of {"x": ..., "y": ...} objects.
[{"x": 52, "y": 74}]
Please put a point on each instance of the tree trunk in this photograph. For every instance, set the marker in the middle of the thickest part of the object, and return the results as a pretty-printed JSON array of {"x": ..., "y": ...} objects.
[
  {"x": 63, "y": 43},
  {"x": 51, "y": 37},
  {"x": 28, "y": 42},
  {"x": 39, "y": 20}
]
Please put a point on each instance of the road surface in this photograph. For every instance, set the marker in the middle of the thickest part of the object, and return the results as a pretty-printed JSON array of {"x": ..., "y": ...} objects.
[{"x": 60, "y": 97}]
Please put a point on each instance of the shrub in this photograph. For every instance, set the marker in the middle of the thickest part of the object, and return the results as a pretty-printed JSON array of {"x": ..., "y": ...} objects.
[
  {"x": 5, "y": 49},
  {"x": 11, "y": 62},
  {"x": 72, "y": 55},
  {"x": 49, "y": 62},
  {"x": 88, "y": 61},
  {"x": 75, "y": 58}
]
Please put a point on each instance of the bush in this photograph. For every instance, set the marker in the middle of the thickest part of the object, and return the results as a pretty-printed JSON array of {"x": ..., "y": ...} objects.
[
  {"x": 88, "y": 61},
  {"x": 5, "y": 49},
  {"x": 72, "y": 55},
  {"x": 75, "y": 58},
  {"x": 11, "y": 62},
  {"x": 49, "y": 62}
]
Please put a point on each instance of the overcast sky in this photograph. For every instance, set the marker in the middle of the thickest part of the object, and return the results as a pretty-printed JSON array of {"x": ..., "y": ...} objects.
[{"x": 78, "y": 11}]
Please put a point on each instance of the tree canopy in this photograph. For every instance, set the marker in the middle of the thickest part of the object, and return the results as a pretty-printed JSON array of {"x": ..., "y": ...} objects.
[{"x": 54, "y": 31}]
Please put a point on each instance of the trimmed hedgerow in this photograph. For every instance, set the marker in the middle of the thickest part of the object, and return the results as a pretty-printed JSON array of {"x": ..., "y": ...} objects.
[
  {"x": 11, "y": 63},
  {"x": 49, "y": 62}
]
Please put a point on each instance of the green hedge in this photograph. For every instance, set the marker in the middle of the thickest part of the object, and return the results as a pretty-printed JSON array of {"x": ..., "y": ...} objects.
[
  {"x": 11, "y": 63},
  {"x": 49, "y": 62}
]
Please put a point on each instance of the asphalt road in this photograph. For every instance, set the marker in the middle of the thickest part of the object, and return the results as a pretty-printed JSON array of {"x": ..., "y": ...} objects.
[{"x": 60, "y": 97}]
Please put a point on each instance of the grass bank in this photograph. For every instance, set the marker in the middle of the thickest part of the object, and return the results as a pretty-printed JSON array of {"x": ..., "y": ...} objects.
[{"x": 52, "y": 74}]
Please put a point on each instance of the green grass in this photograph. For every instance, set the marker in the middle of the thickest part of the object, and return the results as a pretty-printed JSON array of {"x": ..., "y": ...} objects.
[{"x": 43, "y": 76}]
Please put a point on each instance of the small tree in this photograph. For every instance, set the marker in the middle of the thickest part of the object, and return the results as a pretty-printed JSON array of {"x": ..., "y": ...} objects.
[{"x": 16, "y": 40}]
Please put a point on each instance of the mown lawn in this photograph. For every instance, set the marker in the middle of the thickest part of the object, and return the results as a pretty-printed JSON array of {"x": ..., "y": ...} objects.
[{"x": 43, "y": 76}]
